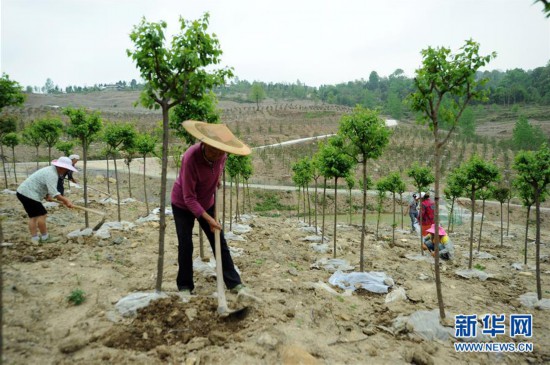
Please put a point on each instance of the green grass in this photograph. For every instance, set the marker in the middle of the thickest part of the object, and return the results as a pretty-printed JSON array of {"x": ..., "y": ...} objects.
[{"x": 77, "y": 297}]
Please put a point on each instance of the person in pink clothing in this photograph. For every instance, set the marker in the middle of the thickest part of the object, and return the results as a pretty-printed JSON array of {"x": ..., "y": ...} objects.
[{"x": 193, "y": 198}]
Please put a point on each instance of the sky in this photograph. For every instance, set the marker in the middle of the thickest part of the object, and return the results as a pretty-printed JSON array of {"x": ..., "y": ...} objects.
[{"x": 319, "y": 42}]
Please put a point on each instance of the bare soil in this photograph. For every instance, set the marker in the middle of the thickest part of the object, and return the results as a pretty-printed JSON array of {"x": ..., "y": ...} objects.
[{"x": 296, "y": 322}]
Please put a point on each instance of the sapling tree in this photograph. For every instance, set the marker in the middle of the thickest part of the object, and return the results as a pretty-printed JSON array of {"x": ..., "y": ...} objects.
[
  {"x": 394, "y": 184},
  {"x": 367, "y": 136},
  {"x": 477, "y": 174},
  {"x": 32, "y": 137},
  {"x": 445, "y": 84},
  {"x": 246, "y": 173},
  {"x": 527, "y": 195},
  {"x": 50, "y": 129},
  {"x": 315, "y": 175},
  {"x": 381, "y": 188},
  {"x": 145, "y": 145},
  {"x": 454, "y": 190},
  {"x": 7, "y": 126},
  {"x": 533, "y": 168},
  {"x": 118, "y": 137},
  {"x": 11, "y": 140},
  {"x": 422, "y": 177},
  {"x": 301, "y": 176},
  {"x": 232, "y": 166},
  {"x": 501, "y": 193},
  {"x": 335, "y": 163},
  {"x": 85, "y": 126},
  {"x": 172, "y": 75}
]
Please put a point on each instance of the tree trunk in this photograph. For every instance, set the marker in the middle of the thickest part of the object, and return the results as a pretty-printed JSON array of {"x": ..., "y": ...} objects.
[
  {"x": 14, "y": 167},
  {"x": 451, "y": 219},
  {"x": 437, "y": 167},
  {"x": 1, "y": 291},
  {"x": 50, "y": 155},
  {"x": 402, "y": 215},
  {"x": 223, "y": 205},
  {"x": 308, "y": 204},
  {"x": 117, "y": 190},
  {"x": 145, "y": 186},
  {"x": 393, "y": 224},
  {"x": 350, "y": 206},
  {"x": 4, "y": 165},
  {"x": 231, "y": 203},
  {"x": 420, "y": 220},
  {"x": 508, "y": 219},
  {"x": 537, "y": 244},
  {"x": 237, "y": 211},
  {"x": 85, "y": 179},
  {"x": 249, "y": 201},
  {"x": 129, "y": 182},
  {"x": 36, "y": 157},
  {"x": 324, "y": 205},
  {"x": 162, "y": 223},
  {"x": 298, "y": 205},
  {"x": 526, "y": 233},
  {"x": 304, "y": 202},
  {"x": 315, "y": 207},
  {"x": 379, "y": 208},
  {"x": 363, "y": 218},
  {"x": 501, "y": 227},
  {"x": 472, "y": 201},
  {"x": 481, "y": 225},
  {"x": 335, "y": 212},
  {"x": 108, "y": 173}
]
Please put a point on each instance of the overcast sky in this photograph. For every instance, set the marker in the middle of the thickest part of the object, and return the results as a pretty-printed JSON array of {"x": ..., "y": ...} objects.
[{"x": 84, "y": 42}]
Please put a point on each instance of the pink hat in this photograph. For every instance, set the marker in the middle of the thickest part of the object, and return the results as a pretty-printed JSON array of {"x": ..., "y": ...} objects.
[
  {"x": 65, "y": 163},
  {"x": 432, "y": 230}
]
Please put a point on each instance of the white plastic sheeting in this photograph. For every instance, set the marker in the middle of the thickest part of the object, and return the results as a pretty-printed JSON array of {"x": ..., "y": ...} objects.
[
  {"x": 425, "y": 324},
  {"x": 332, "y": 265},
  {"x": 473, "y": 273},
  {"x": 129, "y": 305},
  {"x": 376, "y": 282},
  {"x": 531, "y": 300}
]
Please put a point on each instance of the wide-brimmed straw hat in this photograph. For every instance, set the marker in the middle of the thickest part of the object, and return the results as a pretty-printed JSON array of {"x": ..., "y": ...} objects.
[
  {"x": 216, "y": 135},
  {"x": 65, "y": 163},
  {"x": 74, "y": 157},
  {"x": 432, "y": 230}
]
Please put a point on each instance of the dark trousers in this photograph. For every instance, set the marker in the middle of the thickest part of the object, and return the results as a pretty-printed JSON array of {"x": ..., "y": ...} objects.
[
  {"x": 185, "y": 221},
  {"x": 61, "y": 185}
]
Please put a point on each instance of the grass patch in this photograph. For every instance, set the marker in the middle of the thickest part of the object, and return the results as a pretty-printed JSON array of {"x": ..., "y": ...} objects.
[
  {"x": 269, "y": 201},
  {"x": 77, "y": 297}
]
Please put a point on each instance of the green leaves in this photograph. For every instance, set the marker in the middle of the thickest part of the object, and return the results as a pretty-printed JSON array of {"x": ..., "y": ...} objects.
[
  {"x": 533, "y": 168},
  {"x": 446, "y": 83},
  {"x": 333, "y": 159},
  {"x": 11, "y": 93},
  {"x": 366, "y": 133},
  {"x": 84, "y": 125},
  {"x": 478, "y": 173},
  {"x": 176, "y": 71},
  {"x": 421, "y": 175}
]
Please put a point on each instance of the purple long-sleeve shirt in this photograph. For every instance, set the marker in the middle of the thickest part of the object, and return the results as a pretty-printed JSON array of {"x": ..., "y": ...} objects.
[{"x": 197, "y": 182}]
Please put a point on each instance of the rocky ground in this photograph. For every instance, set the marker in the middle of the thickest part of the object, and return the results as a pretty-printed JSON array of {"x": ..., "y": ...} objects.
[{"x": 301, "y": 317}]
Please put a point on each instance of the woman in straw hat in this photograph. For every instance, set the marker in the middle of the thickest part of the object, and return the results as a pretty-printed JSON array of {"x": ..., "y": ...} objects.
[
  {"x": 193, "y": 198},
  {"x": 42, "y": 184},
  {"x": 68, "y": 175}
]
